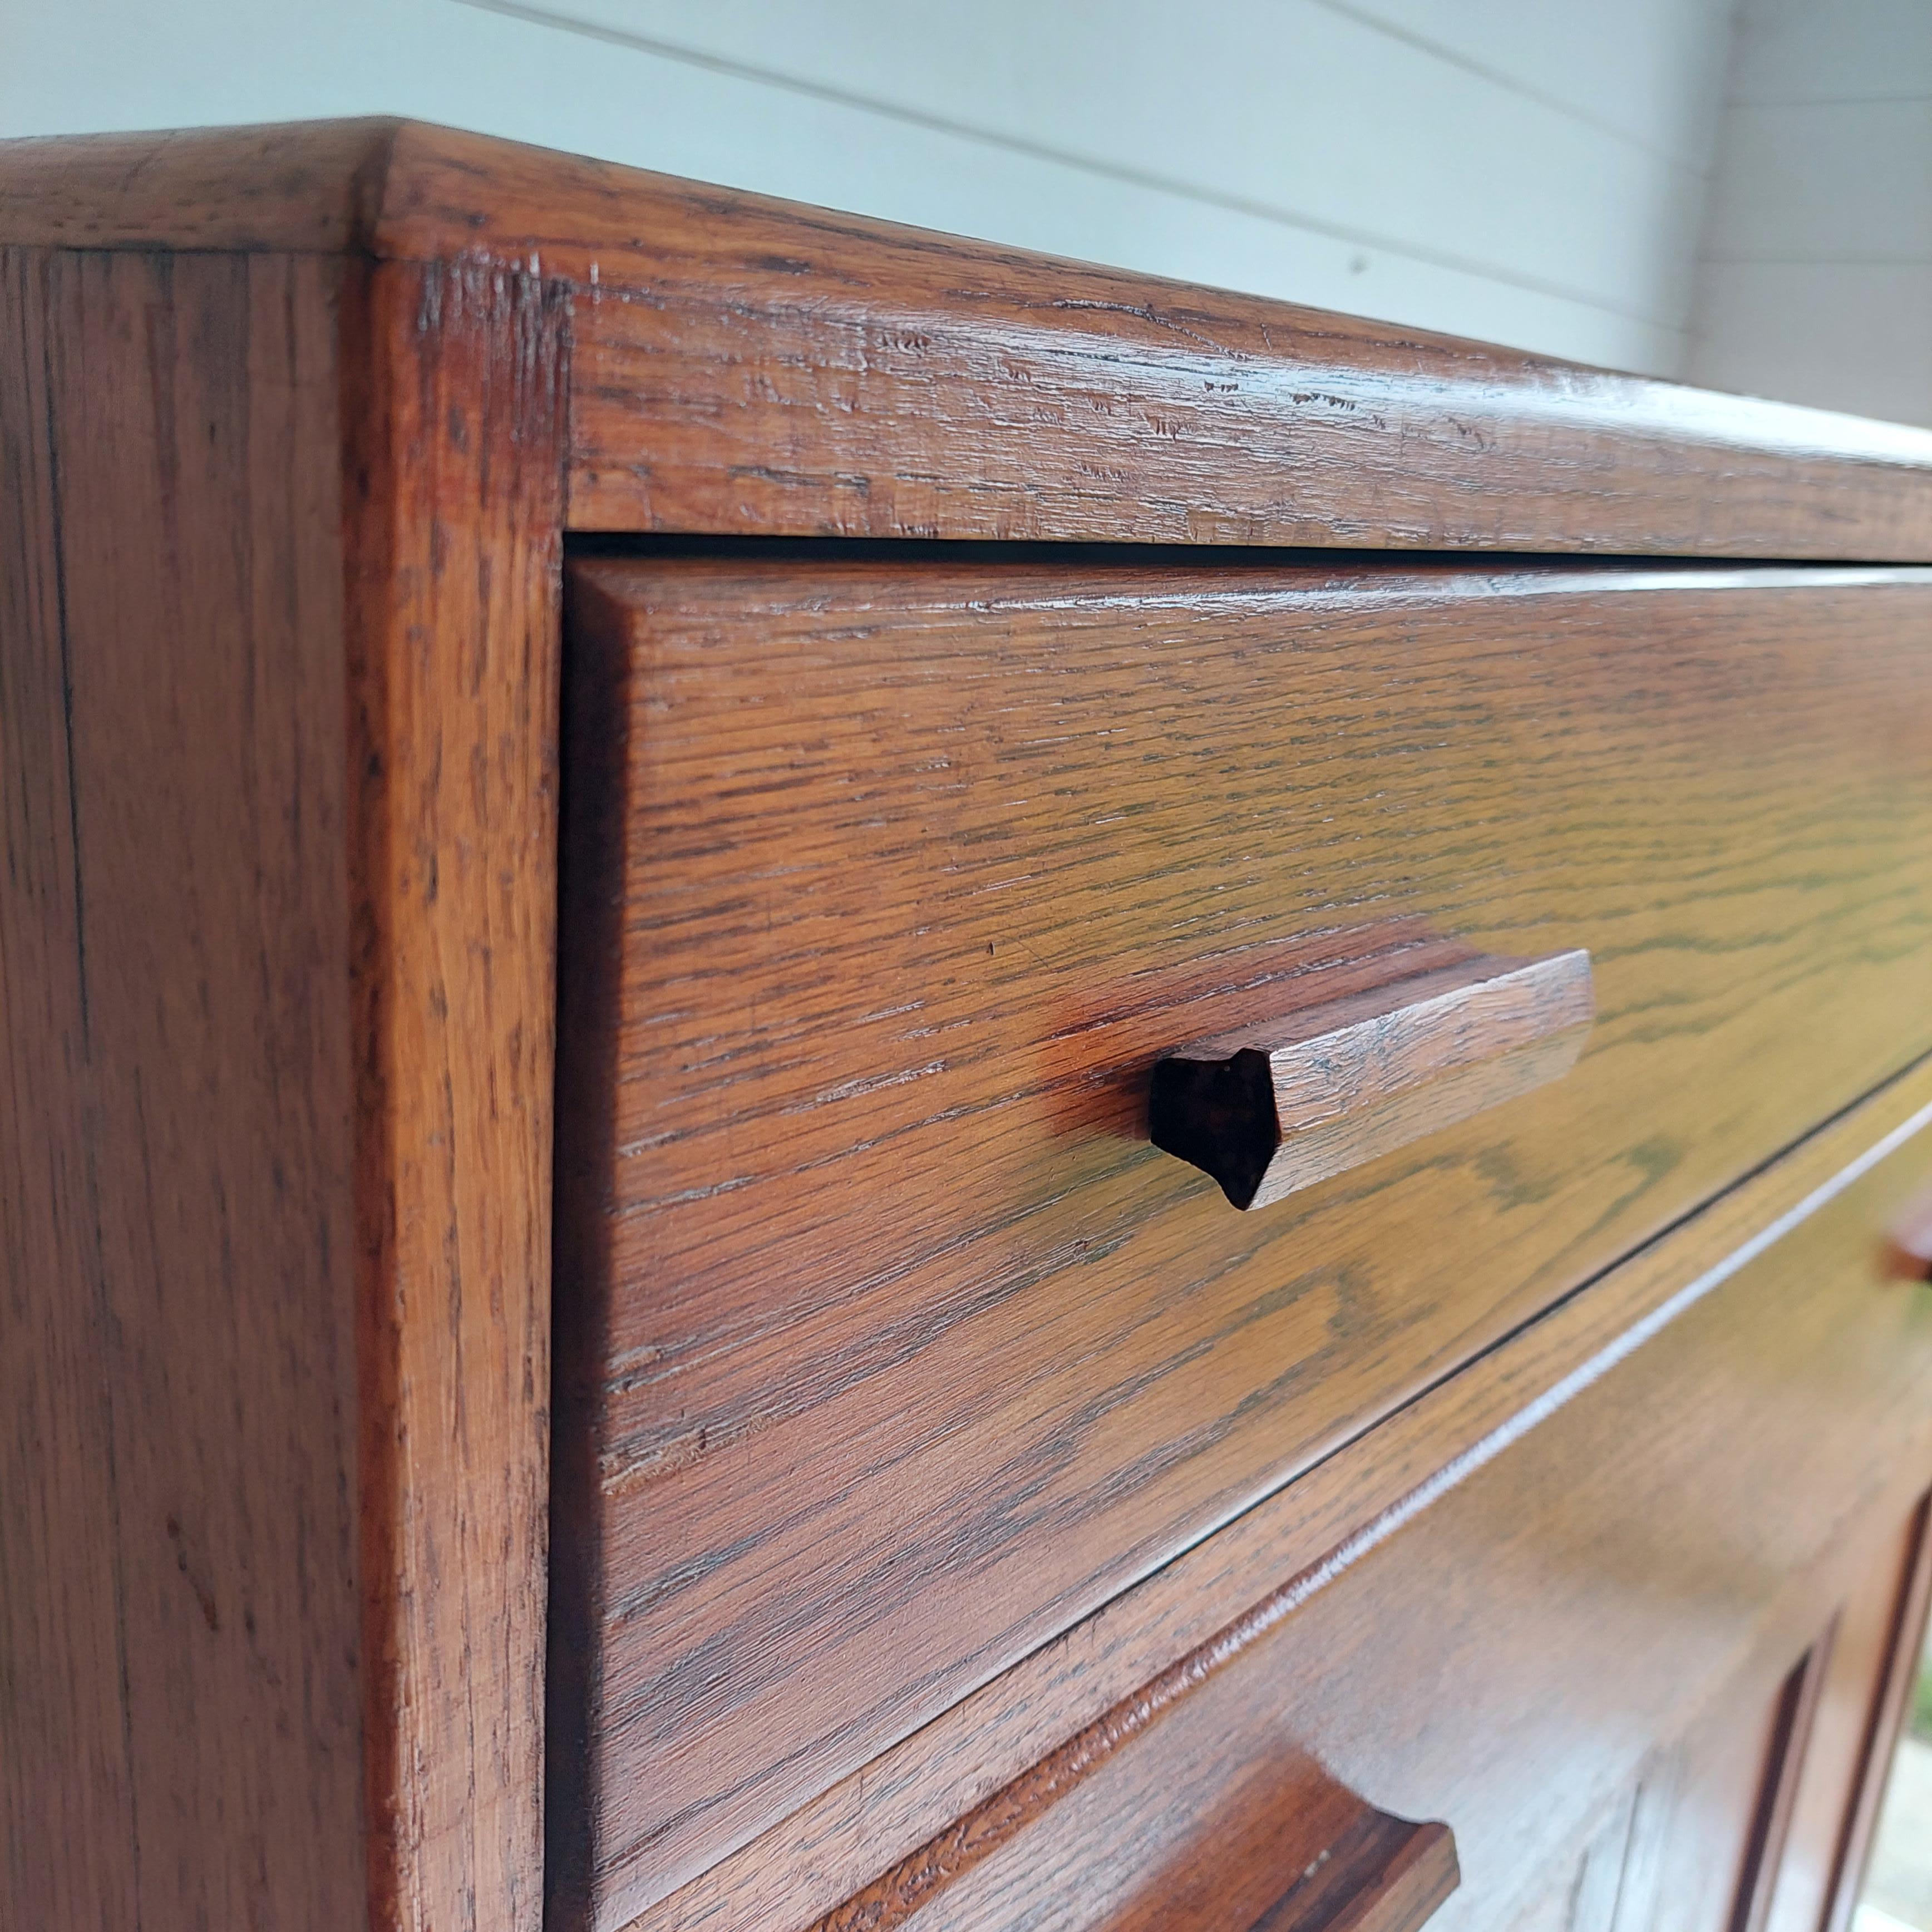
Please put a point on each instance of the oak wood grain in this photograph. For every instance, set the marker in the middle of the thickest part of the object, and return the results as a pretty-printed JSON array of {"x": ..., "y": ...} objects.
[
  {"x": 304, "y": 186},
  {"x": 290, "y": 420},
  {"x": 456, "y": 428},
  {"x": 68, "y": 1818},
  {"x": 858, "y": 1214},
  {"x": 178, "y": 1563},
  {"x": 278, "y": 649},
  {"x": 1676, "y": 1854},
  {"x": 1094, "y": 1685},
  {"x": 1277, "y": 1107},
  {"x": 1842, "y": 1772},
  {"x": 1510, "y": 1654},
  {"x": 750, "y": 366},
  {"x": 1274, "y": 1845},
  {"x": 1905, "y": 1251}
]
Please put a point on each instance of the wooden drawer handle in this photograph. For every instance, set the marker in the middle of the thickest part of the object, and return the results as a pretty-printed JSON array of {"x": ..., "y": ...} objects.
[
  {"x": 1312, "y": 1856},
  {"x": 1382, "y": 1874},
  {"x": 1906, "y": 1253},
  {"x": 1276, "y": 1107}
]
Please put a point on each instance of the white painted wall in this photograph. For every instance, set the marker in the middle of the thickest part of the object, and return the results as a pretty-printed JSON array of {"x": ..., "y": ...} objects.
[
  {"x": 1816, "y": 280},
  {"x": 1533, "y": 171}
]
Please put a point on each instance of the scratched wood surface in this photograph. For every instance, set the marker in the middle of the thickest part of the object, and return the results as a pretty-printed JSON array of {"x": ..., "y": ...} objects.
[
  {"x": 350, "y": 417},
  {"x": 888, "y": 1347},
  {"x": 1194, "y": 1842},
  {"x": 1073, "y": 1702},
  {"x": 1870, "y": 1653},
  {"x": 179, "y": 1613},
  {"x": 1603, "y": 1610},
  {"x": 751, "y": 366},
  {"x": 278, "y": 672},
  {"x": 454, "y": 446}
]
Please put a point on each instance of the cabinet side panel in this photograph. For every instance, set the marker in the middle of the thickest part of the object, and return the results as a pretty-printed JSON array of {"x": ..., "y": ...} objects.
[
  {"x": 68, "y": 1816},
  {"x": 456, "y": 466},
  {"x": 180, "y": 1558}
]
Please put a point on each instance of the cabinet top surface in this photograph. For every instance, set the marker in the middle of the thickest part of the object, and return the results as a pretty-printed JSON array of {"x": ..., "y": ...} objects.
[{"x": 947, "y": 388}]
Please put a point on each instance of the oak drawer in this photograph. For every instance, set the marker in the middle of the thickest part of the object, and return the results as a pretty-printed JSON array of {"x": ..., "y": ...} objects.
[
  {"x": 887, "y": 1346},
  {"x": 1572, "y": 1657}
]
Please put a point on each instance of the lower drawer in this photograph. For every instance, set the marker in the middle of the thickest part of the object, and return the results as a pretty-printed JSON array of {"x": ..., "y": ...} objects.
[
  {"x": 1573, "y": 1656},
  {"x": 888, "y": 1347}
]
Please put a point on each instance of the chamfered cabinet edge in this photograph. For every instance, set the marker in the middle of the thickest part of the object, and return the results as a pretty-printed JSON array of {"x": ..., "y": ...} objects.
[{"x": 280, "y": 537}]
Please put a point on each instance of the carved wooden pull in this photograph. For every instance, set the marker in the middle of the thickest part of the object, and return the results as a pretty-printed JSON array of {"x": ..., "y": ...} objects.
[
  {"x": 1294, "y": 1851},
  {"x": 1273, "y": 1108},
  {"x": 1906, "y": 1253},
  {"x": 1384, "y": 1875}
]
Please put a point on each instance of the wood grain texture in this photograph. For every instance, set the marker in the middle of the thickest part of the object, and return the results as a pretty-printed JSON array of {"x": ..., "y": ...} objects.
[
  {"x": 279, "y": 664},
  {"x": 1193, "y": 1844},
  {"x": 1842, "y": 1770},
  {"x": 1510, "y": 1653},
  {"x": 178, "y": 1562},
  {"x": 456, "y": 447},
  {"x": 1907, "y": 1248},
  {"x": 750, "y": 366},
  {"x": 1890, "y": 1710},
  {"x": 1278, "y": 1107},
  {"x": 1676, "y": 1853},
  {"x": 1209, "y": 1604},
  {"x": 68, "y": 1819},
  {"x": 1276, "y": 1845},
  {"x": 858, "y": 1212},
  {"x": 314, "y": 187}
]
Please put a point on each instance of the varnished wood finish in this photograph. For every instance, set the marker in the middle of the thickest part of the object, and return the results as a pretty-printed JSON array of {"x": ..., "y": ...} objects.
[
  {"x": 856, "y": 1205},
  {"x": 1794, "y": 1713},
  {"x": 292, "y": 421},
  {"x": 1906, "y": 1252},
  {"x": 1679, "y": 1852},
  {"x": 1837, "y": 1782},
  {"x": 748, "y": 366},
  {"x": 180, "y": 1732},
  {"x": 278, "y": 654},
  {"x": 1504, "y": 1657},
  {"x": 457, "y": 432},
  {"x": 1155, "y": 1642},
  {"x": 305, "y": 188},
  {"x": 1278, "y": 1847},
  {"x": 1278, "y": 1107},
  {"x": 1889, "y": 1710}
]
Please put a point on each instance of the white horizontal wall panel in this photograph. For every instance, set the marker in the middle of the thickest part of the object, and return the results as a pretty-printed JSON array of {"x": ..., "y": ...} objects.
[
  {"x": 1838, "y": 337},
  {"x": 1790, "y": 50},
  {"x": 1335, "y": 161},
  {"x": 1652, "y": 70},
  {"x": 1290, "y": 109},
  {"x": 1815, "y": 278},
  {"x": 1847, "y": 181}
]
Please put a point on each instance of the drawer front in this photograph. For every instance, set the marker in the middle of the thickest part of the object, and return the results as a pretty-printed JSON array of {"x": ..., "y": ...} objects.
[
  {"x": 887, "y": 1344},
  {"x": 1572, "y": 1660}
]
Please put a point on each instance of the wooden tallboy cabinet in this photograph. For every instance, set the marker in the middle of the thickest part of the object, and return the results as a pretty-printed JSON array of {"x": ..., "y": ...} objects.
[{"x": 851, "y": 1082}]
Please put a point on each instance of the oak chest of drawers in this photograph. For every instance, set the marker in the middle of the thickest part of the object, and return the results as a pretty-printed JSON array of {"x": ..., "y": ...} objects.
[{"x": 857, "y": 1083}]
